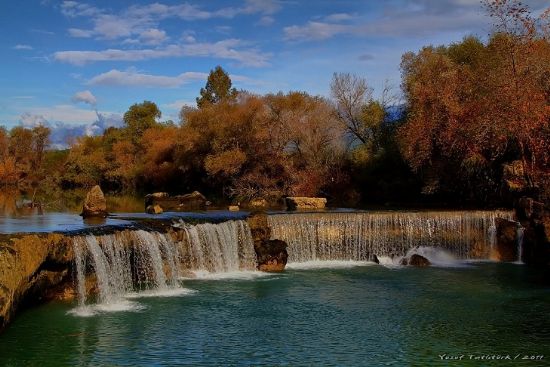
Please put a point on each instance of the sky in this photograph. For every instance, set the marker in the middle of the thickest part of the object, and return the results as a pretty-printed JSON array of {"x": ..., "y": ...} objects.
[{"x": 77, "y": 66}]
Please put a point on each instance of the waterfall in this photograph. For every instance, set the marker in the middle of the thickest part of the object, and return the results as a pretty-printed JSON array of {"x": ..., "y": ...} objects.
[
  {"x": 151, "y": 261},
  {"x": 217, "y": 248},
  {"x": 519, "y": 239},
  {"x": 360, "y": 236}
]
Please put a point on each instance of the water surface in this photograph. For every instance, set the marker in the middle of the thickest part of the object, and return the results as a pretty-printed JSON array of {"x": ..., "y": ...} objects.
[{"x": 346, "y": 316}]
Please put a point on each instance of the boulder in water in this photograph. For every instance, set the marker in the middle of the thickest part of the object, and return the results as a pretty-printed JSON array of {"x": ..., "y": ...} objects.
[
  {"x": 233, "y": 208},
  {"x": 506, "y": 248},
  {"x": 95, "y": 204},
  {"x": 416, "y": 260},
  {"x": 178, "y": 203},
  {"x": 302, "y": 202},
  {"x": 534, "y": 217},
  {"x": 154, "y": 209},
  {"x": 271, "y": 254}
]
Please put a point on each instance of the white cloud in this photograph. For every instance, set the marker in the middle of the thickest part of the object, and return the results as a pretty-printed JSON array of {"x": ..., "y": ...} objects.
[
  {"x": 22, "y": 47},
  {"x": 134, "y": 78},
  {"x": 153, "y": 36},
  {"x": 85, "y": 96},
  {"x": 315, "y": 31},
  {"x": 178, "y": 104},
  {"x": 226, "y": 49},
  {"x": 80, "y": 33},
  {"x": 339, "y": 17},
  {"x": 266, "y": 20},
  {"x": 68, "y": 114},
  {"x": 137, "y": 19},
  {"x": 63, "y": 132}
]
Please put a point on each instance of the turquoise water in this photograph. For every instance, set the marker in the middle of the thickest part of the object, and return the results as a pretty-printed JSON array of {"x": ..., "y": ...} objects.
[{"x": 361, "y": 316}]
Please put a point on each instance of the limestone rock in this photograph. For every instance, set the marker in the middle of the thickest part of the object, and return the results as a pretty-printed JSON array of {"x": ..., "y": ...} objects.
[
  {"x": 506, "y": 240},
  {"x": 271, "y": 254},
  {"x": 178, "y": 203},
  {"x": 29, "y": 266},
  {"x": 416, "y": 260},
  {"x": 154, "y": 209},
  {"x": 535, "y": 220},
  {"x": 233, "y": 208},
  {"x": 258, "y": 203},
  {"x": 95, "y": 204},
  {"x": 302, "y": 202}
]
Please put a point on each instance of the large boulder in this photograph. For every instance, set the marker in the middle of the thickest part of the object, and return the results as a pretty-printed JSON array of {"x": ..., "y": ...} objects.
[
  {"x": 302, "y": 202},
  {"x": 416, "y": 260},
  {"x": 178, "y": 203},
  {"x": 534, "y": 217},
  {"x": 154, "y": 209},
  {"x": 270, "y": 253},
  {"x": 95, "y": 204},
  {"x": 31, "y": 265},
  {"x": 506, "y": 246}
]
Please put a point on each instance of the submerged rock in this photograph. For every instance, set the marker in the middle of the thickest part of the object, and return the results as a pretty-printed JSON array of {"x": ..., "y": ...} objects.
[
  {"x": 95, "y": 204},
  {"x": 302, "y": 202},
  {"x": 178, "y": 203},
  {"x": 416, "y": 260}
]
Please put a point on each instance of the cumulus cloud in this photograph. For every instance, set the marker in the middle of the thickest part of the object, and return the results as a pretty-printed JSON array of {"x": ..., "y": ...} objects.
[
  {"x": 231, "y": 49},
  {"x": 22, "y": 47},
  {"x": 85, "y": 96},
  {"x": 153, "y": 36},
  {"x": 134, "y": 78},
  {"x": 63, "y": 132},
  {"x": 136, "y": 19}
]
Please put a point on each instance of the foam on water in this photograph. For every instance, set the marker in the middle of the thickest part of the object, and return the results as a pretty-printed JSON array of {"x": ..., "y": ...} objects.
[
  {"x": 119, "y": 306},
  {"x": 168, "y": 292},
  {"x": 232, "y": 275},
  {"x": 327, "y": 264}
]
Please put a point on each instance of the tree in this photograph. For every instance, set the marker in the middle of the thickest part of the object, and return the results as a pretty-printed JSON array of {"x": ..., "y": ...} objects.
[
  {"x": 140, "y": 117},
  {"x": 351, "y": 94},
  {"x": 217, "y": 89}
]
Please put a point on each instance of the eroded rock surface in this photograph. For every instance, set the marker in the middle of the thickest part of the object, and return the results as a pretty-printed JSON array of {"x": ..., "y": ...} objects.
[
  {"x": 271, "y": 254},
  {"x": 95, "y": 204}
]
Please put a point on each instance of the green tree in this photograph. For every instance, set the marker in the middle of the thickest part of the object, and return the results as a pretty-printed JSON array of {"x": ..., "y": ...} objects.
[
  {"x": 140, "y": 117},
  {"x": 217, "y": 89}
]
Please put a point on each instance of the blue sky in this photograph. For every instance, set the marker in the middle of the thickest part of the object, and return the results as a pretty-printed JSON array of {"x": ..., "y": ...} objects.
[{"x": 79, "y": 65}]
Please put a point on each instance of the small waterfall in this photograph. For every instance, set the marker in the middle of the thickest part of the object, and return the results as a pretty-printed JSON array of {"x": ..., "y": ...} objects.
[
  {"x": 360, "y": 236},
  {"x": 154, "y": 262},
  {"x": 217, "y": 248},
  {"x": 519, "y": 238}
]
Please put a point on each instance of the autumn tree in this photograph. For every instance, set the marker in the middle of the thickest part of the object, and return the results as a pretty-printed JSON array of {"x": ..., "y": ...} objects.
[
  {"x": 218, "y": 88},
  {"x": 473, "y": 107}
]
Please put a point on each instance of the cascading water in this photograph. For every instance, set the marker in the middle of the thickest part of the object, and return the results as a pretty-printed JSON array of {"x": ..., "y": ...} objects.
[
  {"x": 360, "y": 236},
  {"x": 154, "y": 262},
  {"x": 217, "y": 248},
  {"x": 519, "y": 239}
]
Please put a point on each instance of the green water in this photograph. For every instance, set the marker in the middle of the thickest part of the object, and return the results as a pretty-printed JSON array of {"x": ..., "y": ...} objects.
[{"x": 363, "y": 316}]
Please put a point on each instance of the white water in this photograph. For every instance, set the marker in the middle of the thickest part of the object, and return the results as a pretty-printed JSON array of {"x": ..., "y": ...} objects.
[
  {"x": 219, "y": 248},
  {"x": 361, "y": 236},
  {"x": 519, "y": 238},
  {"x": 134, "y": 264}
]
